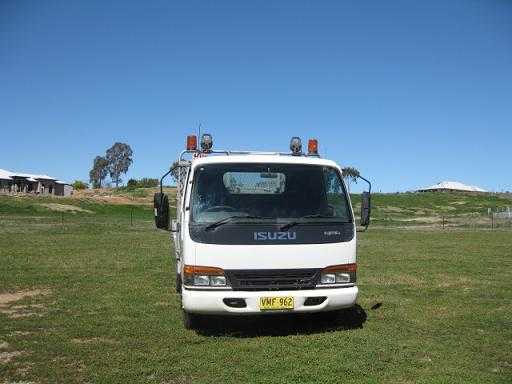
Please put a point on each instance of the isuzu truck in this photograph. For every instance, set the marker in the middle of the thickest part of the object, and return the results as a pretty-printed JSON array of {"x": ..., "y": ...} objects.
[{"x": 261, "y": 232}]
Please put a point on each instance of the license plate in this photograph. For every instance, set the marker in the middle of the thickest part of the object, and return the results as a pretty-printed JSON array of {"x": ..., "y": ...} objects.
[{"x": 275, "y": 303}]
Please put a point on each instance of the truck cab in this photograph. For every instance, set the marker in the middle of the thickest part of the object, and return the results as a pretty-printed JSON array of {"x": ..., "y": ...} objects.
[{"x": 261, "y": 232}]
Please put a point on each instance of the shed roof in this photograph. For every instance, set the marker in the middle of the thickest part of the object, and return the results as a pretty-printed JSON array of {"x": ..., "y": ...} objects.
[
  {"x": 5, "y": 175},
  {"x": 8, "y": 175},
  {"x": 33, "y": 176},
  {"x": 453, "y": 185}
]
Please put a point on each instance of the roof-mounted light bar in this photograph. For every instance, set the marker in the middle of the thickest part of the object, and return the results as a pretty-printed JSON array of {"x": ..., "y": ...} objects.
[{"x": 207, "y": 148}]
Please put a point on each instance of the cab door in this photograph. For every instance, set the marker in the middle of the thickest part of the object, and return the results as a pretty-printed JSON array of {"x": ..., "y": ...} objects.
[{"x": 178, "y": 233}]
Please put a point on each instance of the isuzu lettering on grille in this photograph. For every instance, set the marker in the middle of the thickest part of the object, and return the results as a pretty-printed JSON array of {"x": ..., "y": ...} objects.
[{"x": 275, "y": 235}]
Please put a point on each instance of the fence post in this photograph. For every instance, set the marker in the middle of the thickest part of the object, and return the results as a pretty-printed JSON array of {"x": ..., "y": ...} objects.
[
  {"x": 131, "y": 216},
  {"x": 492, "y": 220},
  {"x": 443, "y": 221},
  {"x": 62, "y": 218}
]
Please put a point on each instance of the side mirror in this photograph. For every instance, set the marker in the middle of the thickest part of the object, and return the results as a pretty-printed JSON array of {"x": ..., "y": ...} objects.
[
  {"x": 365, "y": 209},
  {"x": 161, "y": 206}
]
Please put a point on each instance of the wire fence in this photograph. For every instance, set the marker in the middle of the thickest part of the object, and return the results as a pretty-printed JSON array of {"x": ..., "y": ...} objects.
[
  {"x": 137, "y": 218},
  {"x": 494, "y": 220},
  {"x": 119, "y": 222},
  {"x": 130, "y": 219}
]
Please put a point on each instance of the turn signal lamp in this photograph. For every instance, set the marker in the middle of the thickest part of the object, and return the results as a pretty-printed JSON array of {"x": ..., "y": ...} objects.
[
  {"x": 296, "y": 146},
  {"x": 196, "y": 275},
  {"x": 191, "y": 142},
  {"x": 206, "y": 142},
  {"x": 313, "y": 147}
]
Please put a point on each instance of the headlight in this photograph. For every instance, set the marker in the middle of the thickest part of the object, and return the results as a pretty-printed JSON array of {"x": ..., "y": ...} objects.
[
  {"x": 199, "y": 276},
  {"x": 201, "y": 280},
  {"x": 328, "y": 278},
  {"x": 339, "y": 274},
  {"x": 217, "y": 281}
]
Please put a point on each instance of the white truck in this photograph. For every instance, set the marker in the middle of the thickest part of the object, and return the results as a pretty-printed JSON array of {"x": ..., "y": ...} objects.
[{"x": 261, "y": 232}]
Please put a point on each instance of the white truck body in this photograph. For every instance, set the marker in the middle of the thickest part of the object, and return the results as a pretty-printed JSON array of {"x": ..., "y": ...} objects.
[{"x": 282, "y": 261}]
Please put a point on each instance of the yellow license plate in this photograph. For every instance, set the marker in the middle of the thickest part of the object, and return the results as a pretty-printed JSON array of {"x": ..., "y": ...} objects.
[{"x": 275, "y": 303}]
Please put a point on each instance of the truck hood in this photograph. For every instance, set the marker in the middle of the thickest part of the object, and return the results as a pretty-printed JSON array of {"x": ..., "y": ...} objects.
[{"x": 275, "y": 256}]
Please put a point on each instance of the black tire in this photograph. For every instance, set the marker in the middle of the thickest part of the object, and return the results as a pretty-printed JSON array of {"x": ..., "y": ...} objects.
[
  {"x": 190, "y": 320},
  {"x": 178, "y": 283},
  {"x": 331, "y": 316}
]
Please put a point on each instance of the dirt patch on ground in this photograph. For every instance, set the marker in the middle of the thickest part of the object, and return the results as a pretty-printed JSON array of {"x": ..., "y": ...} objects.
[
  {"x": 450, "y": 282},
  {"x": 7, "y": 298},
  {"x": 20, "y": 333},
  {"x": 458, "y": 202},
  {"x": 390, "y": 208},
  {"x": 17, "y": 311},
  {"x": 444, "y": 208},
  {"x": 65, "y": 208},
  {"x": 111, "y": 196},
  {"x": 6, "y": 357},
  {"x": 423, "y": 219},
  {"x": 123, "y": 200},
  {"x": 400, "y": 279},
  {"x": 94, "y": 340}
]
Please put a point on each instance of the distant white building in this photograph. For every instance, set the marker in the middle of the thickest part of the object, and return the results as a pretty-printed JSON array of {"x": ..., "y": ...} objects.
[
  {"x": 451, "y": 186},
  {"x": 17, "y": 182}
]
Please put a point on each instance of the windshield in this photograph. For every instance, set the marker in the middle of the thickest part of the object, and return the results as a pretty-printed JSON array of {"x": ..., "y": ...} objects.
[{"x": 279, "y": 193}]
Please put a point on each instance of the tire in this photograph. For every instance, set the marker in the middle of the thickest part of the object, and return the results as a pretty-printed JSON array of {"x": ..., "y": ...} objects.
[
  {"x": 331, "y": 316},
  {"x": 178, "y": 283},
  {"x": 190, "y": 320}
]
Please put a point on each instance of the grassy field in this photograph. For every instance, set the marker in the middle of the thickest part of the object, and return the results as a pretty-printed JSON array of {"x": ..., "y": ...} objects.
[
  {"x": 88, "y": 296},
  {"x": 431, "y": 209}
]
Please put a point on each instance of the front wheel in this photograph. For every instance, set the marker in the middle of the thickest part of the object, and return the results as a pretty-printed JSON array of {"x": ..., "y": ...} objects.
[
  {"x": 190, "y": 320},
  {"x": 178, "y": 283}
]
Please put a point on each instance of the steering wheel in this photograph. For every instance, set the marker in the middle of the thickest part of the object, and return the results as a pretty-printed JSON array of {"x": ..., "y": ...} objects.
[
  {"x": 331, "y": 210},
  {"x": 219, "y": 208}
]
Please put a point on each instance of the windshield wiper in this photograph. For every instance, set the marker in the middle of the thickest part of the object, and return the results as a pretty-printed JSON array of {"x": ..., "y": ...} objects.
[
  {"x": 296, "y": 222},
  {"x": 230, "y": 218}
]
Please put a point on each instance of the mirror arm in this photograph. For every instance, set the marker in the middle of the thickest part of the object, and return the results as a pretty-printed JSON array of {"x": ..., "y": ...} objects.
[
  {"x": 369, "y": 192},
  {"x": 164, "y": 176},
  {"x": 368, "y": 181},
  {"x": 175, "y": 228}
]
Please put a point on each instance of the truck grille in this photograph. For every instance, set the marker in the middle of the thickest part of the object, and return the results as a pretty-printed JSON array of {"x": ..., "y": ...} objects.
[{"x": 272, "y": 279}]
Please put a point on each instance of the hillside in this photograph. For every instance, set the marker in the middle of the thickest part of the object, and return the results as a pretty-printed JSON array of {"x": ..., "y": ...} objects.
[
  {"x": 404, "y": 209},
  {"x": 87, "y": 296},
  {"x": 136, "y": 196},
  {"x": 431, "y": 208}
]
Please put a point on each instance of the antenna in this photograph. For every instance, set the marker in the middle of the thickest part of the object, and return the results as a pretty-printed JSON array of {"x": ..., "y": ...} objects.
[{"x": 199, "y": 131}]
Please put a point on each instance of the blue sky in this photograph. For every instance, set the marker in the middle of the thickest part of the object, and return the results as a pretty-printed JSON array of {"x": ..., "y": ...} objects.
[{"x": 409, "y": 92}]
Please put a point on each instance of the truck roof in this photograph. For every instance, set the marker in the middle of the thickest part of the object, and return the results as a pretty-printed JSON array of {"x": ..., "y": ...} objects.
[{"x": 262, "y": 158}]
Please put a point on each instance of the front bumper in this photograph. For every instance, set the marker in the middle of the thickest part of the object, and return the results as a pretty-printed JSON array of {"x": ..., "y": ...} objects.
[{"x": 211, "y": 302}]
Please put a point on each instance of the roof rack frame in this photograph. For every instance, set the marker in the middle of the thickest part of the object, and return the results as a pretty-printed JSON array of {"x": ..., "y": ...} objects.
[{"x": 230, "y": 153}]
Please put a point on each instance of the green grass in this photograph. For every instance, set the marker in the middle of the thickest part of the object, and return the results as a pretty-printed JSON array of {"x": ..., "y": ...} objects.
[
  {"x": 461, "y": 209},
  {"x": 442, "y": 309}
]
